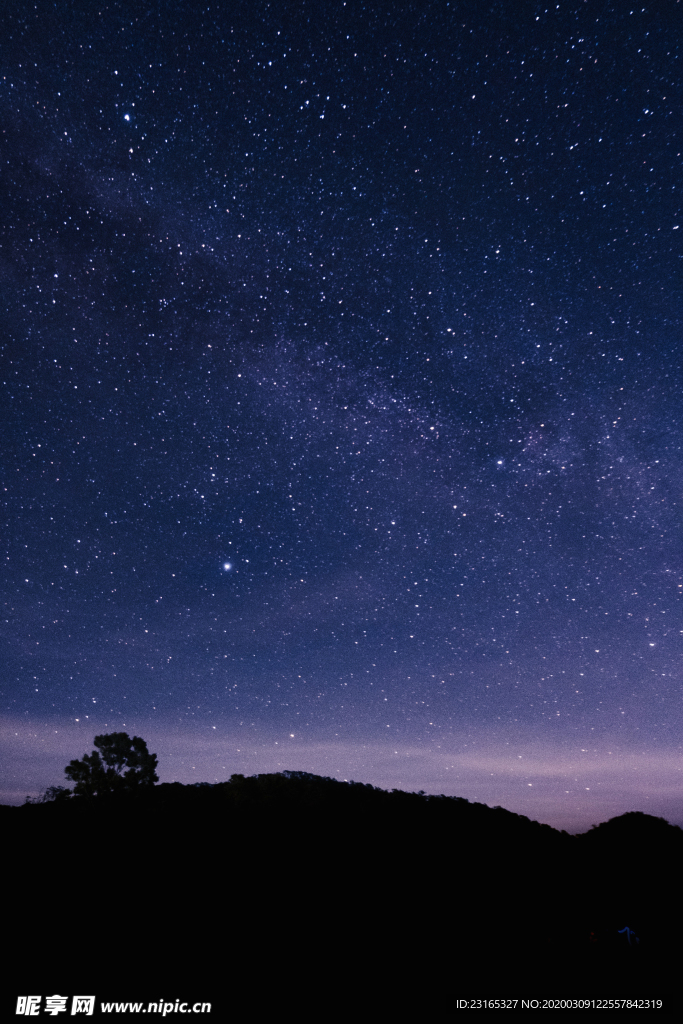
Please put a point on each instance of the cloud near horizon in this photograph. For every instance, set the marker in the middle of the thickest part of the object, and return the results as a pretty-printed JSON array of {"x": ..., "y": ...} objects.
[{"x": 567, "y": 787}]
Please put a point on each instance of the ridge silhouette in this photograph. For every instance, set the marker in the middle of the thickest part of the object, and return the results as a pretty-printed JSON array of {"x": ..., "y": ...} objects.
[{"x": 292, "y": 868}]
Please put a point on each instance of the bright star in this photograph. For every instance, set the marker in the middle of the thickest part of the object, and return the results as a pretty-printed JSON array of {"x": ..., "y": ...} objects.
[{"x": 227, "y": 566}]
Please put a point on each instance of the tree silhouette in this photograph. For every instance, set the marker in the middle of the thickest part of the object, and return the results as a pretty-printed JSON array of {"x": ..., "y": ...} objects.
[{"x": 121, "y": 764}]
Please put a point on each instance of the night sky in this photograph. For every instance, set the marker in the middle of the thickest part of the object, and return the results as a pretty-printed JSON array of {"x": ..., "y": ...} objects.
[{"x": 341, "y": 395}]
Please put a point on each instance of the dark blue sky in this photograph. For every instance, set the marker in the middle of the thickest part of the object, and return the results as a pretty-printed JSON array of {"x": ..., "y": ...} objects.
[{"x": 341, "y": 376}]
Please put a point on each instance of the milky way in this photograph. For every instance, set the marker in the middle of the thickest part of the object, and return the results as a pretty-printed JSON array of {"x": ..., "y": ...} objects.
[{"x": 341, "y": 396}]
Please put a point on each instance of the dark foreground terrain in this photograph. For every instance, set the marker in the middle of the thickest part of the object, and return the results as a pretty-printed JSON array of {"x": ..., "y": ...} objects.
[{"x": 282, "y": 890}]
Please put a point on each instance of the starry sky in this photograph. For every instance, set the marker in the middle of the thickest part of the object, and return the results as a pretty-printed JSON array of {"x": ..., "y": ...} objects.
[{"x": 341, "y": 416}]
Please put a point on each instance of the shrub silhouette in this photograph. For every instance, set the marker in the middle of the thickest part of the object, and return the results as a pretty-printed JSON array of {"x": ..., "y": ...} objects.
[
  {"x": 121, "y": 764},
  {"x": 52, "y": 794}
]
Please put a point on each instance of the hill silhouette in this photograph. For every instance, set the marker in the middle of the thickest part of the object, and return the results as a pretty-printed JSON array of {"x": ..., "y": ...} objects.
[{"x": 290, "y": 875}]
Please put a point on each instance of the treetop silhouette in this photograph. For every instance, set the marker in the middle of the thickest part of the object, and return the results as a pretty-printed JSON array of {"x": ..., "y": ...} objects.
[{"x": 120, "y": 764}]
